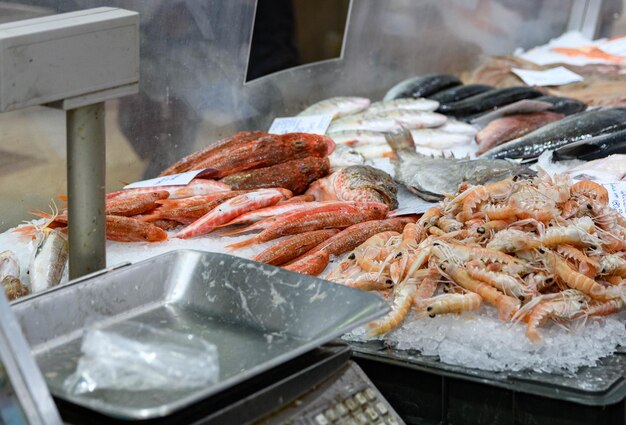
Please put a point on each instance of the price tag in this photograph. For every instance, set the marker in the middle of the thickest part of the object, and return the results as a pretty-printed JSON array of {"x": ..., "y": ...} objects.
[
  {"x": 315, "y": 124},
  {"x": 549, "y": 77},
  {"x": 171, "y": 180},
  {"x": 617, "y": 196}
]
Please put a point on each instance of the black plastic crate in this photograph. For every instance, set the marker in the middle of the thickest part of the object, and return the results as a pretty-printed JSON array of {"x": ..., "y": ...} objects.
[{"x": 425, "y": 391}]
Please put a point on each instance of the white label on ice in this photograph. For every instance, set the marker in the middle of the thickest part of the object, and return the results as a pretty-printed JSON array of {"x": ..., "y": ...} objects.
[
  {"x": 549, "y": 77},
  {"x": 171, "y": 180},
  {"x": 315, "y": 124},
  {"x": 617, "y": 196}
]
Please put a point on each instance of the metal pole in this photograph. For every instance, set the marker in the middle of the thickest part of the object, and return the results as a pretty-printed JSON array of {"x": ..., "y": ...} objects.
[{"x": 86, "y": 164}]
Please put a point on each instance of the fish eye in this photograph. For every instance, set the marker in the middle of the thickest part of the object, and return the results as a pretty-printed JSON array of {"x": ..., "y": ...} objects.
[
  {"x": 481, "y": 230},
  {"x": 550, "y": 280},
  {"x": 589, "y": 207},
  {"x": 399, "y": 255},
  {"x": 389, "y": 281},
  {"x": 542, "y": 251},
  {"x": 436, "y": 244},
  {"x": 351, "y": 256}
]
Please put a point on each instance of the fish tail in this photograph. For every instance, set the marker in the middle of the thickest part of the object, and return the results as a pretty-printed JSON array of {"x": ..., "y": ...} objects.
[
  {"x": 236, "y": 231},
  {"x": 242, "y": 244},
  {"x": 400, "y": 139}
]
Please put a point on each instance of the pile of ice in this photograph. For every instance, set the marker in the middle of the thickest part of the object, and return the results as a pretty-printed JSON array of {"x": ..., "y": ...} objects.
[{"x": 480, "y": 340}]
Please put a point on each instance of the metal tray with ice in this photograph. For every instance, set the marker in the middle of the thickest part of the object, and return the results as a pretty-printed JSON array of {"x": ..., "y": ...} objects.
[{"x": 257, "y": 315}]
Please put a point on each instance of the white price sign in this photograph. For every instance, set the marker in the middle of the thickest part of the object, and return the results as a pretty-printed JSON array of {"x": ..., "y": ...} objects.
[
  {"x": 549, "y": 77},
  {"x": 617, "y": 196},
  {"x": 171, "y": 180},
  {"x": 315, "y": 124}
]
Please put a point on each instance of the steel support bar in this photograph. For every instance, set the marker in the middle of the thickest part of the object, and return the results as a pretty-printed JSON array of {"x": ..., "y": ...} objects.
[{"x": 85, "y": 187}]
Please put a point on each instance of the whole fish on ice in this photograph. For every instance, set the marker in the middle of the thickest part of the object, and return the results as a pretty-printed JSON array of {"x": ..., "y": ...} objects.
[
  {"x": 422, "y": 86},
  {"x": 593, "y": 148},
  {"x": 432, "y": 178},
  {"x": 388, "y": 120},
  {"x": 339, "y": 106},
  {"x": 456, "y": 93},
  {"x": 573, "y": 128},
  {"x": 419, "y": 104},
  {"x": 487, "y": 101},
  {"x": 357, "y": 183}
]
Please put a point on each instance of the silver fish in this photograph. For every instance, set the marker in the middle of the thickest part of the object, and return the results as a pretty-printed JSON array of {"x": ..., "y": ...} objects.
[
  {"x": 338, "y": 106},
  {"x": 458, "y": 127},
  {"x": 432, "y": 178},
  {"x": 9, "y": 264},
  {"x": 419, "y": 104},
  {"x": 437, "y": 139},
  {"x": 48, "y": 261},
  {"x": 358, "y": 137},
  {"x": 344, "y": 156},
  {"x": 388, "y": 121}
]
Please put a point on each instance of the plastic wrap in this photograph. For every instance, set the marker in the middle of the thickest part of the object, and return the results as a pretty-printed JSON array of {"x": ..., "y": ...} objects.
[{"x": 133, "y": 356}]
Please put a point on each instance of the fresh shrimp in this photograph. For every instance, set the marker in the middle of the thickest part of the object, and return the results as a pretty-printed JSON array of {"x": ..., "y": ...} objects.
[
  {"x": 502, "y": 281},
  {"x": 371, "y": 254},
  {"x": 566, "y": 307},
  {"x": 195, "y": 187},
  {"x": 462, "y": 254},
  {"x": 499, "y": 212},
  {"x": 229, "y": 210},
  {"x": 586, "y": 265},
  {"x": 612, "y": 264},
  {"x": 293, "y": 246},
  {"x": 305, "y": 221},
  {"x": 452, "y": 303},
  {"x": 312, "y": 264},
  {"x": 577, "y": 234},
  {"x": 578, "y": 281},
  {"x": 127, "y": 229},
  {"x": 604, "y": 308},
  {"x": 426, "y": 289},
  {"x": 507, "y": 306},
  {"x": 448, "y": 224},
  {"x": 512, "y": 240},
  {"x": 591, "y": 190},
  {"x": 403, "y": 298},
  {"x": 539, "y": 281}
]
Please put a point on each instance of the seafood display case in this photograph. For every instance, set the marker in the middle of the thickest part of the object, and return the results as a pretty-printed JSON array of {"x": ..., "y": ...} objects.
[{"x": 194, "y": 89}]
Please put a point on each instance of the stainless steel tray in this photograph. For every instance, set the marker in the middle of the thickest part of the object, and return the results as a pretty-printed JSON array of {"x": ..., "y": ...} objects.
[{"x": 257, "y": 315}]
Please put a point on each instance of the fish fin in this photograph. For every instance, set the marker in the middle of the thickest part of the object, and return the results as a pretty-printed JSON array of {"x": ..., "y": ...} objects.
[
  {"x": 235, "y": 231},
  {"x": 400, "y": 139},
  {"x": 242, "y": 244}
]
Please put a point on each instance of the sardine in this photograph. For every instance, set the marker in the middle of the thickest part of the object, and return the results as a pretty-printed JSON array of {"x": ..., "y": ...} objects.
[
  {"x": 14, "y": 288},
  {"x": 512, "y": 126},
  {"x": 386, "y": 121},
  {"x": 487, "y": 101},
  {"x": 593, "y": 148},
  {"x": 432, "y": 178},
  {"x": 48, "y": 261},
  {"x": 454, "y": 94},
  {"x": 583, "y": 125},
  {"x": 563, "y": 105},
  {"x": 419, "y": 104},
  {"x": 422, "y": 86},
  {"x": 9, "y": 264},
  {"x": 338, "y": 106}
]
